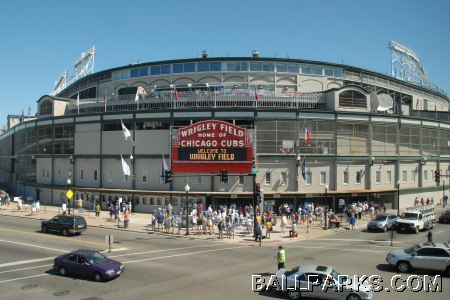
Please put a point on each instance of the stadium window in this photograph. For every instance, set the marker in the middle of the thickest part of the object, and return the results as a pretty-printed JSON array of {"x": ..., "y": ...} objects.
[
  {"x": 203, "y": 67},
  {"x": 358, "y": 177},
  {"x": 189, "y": 68},
  {"x": 293, "y": 68},
  {"x": 378, "y": 177},
  {"x": 388, "y": 176},
  {"x": 155, "y": 70},
  {"x": 346, "y": 177},
  {"x": 283, "y": 178},
  {"x": 134, "y": 73},
  {"x": 165, "y": 69},
  {"x": 95, "y": 175},
  {"x": 215, "y": 66},
  {"x": 231, "y": 66},
  {"x": 242, "y": 66},
  {"x": 268, "y": 67},
  {"x": 323, "y": 178},
  {"x": 109, "y": 176},
  {"x": 199, "y": 179},
  {"x": 125, "y": 74},
  {"x": 425, "y": 176},
  {"x": 177, "y": 68},
  {"x": 308, "y": 178},
  {"x": 152, "y": 201},
  {"x": 413, "y": 176},
  {"x": 282, "y": 68},
  {"x": 329, "y": 72},
  {"x": 143, "y": 71},
  {"x": 241, "y": 179},
  {"x": 255, "y": 66},
  {"x": 268, "y": 179},
  {"x": 144, "y": 176},
  {"x": 405, "y": 176}
]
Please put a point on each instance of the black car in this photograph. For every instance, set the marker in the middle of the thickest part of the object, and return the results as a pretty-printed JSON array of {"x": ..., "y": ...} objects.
[
  {"x": 445, "y": 217},
  {"x": 65, "y": 224},
  {"x": 88, "y": 263}
]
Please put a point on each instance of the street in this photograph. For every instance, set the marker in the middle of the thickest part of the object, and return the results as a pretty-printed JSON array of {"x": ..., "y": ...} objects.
[{"x": 170, "y": 267}]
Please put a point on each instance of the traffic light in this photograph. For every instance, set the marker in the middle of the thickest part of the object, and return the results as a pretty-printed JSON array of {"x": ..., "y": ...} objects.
[
  {"x": 167, "y": 176},
  {"x": 223, "y": 175},
  {"x": 437, "y": 176},
  {"x": 258, "y": 193}
]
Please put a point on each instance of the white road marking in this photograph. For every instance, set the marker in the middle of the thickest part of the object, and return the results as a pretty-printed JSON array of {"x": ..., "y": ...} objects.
[
  {"x": 29, "y": 261},
  {"x": 341, "y": 249},
  {"x": 20, "y": 278},
  {"x": 35, "y": 267},
  {"x": 355, "y": 240},
  {"x": 114, "y": 250},
  {"x": 164, "y": 250},
  {"x": 35, "y": 246},
  {"x": 183, "y": 254}
]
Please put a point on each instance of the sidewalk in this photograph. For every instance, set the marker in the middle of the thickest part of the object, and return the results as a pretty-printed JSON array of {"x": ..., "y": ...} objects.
[{"x": 140, "y": 222}]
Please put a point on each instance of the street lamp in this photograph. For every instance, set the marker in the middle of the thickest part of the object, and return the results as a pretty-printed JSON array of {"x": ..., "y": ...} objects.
[
  {"x": 187, "y": 188},
  {"x": 69, "y": 182},
  {"x": 326, "y": 210},
  {"x": 398, "y": 197}
]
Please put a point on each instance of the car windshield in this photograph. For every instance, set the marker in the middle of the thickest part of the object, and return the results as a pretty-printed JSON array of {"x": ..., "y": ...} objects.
[
  {"x": 410, "y": 216},
  {"x": 380, "y": 218},
  {"x": 290, "y": 272},
  {"x": 96, "y": 258},
  {"x": 412, "y": 249},
  {"x": 336, "y": 275}
]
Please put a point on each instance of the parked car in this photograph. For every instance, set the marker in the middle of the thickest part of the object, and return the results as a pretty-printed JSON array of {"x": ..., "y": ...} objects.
[
  {"x": 65, "y": 224},
  {"x": 88, "y": 263},
  {"x": 312, "y": 280},
  {"x": 427, "y": 256},
  {"x": 382, "y": 222},
  {"x": 445, "y": 217}
]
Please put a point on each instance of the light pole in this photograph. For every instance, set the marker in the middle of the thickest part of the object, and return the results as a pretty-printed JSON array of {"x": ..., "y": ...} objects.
[
  {"x": 398, "y": 197},
  {"x": 326, "y": 210},
  {"x": 187, "y": 188},
  {"x": 69, "y": 182}
]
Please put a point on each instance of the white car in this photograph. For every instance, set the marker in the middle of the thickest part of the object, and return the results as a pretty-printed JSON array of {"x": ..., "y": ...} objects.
[
  {"x": 427, "y": 256},
  {"x": 322, "y": 282}
]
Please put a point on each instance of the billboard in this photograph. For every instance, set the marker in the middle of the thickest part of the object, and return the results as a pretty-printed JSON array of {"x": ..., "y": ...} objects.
[{"x": 210, "y": 146}]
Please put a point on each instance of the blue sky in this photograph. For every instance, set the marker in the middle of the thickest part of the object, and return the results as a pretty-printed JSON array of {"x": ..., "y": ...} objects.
[{"x": 41, "y": 39}]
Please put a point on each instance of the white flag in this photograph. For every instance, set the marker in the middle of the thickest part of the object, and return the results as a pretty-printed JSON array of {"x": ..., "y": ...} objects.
[
  {"x": 126, "y": 132},
  {"x": 140, "y": 91},
  {"x": 78, "y": 103},
  {"x": 125, "y": 167}
]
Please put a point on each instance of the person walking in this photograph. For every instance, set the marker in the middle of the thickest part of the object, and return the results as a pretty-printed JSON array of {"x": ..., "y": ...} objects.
[
  {"x": 429, "y": 236},
  {"x": 281, "y": 258},
  {"x": 353, "y": 221},
  {"x": 268, "y": 228},
  {"x": 97, "y": 210},
  {"x": 220, "y": 228},
  {"x": 258, "y": 233}
]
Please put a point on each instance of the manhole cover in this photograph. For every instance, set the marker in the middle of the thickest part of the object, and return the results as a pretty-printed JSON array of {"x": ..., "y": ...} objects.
[
  {"x": 28, "y": 286},
  {"x": 61, "y": 293}
]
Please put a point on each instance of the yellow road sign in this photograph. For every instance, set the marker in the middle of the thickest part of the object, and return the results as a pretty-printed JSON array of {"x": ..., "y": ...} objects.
[{"x": 69, "y": 194}]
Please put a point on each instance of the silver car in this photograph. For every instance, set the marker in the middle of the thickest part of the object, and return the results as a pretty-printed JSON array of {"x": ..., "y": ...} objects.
[
  {"x": 322, "y": 282},
  {"x": 382, "y": 222},
  {"x": 427, "y": 256}
]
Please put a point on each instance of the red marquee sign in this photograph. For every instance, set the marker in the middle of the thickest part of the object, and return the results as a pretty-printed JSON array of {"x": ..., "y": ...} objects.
[{"x": 210, "y": 146}]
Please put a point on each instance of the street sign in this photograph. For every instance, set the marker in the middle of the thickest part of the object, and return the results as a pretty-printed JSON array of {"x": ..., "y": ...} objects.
[
  {"x": 255, "y": 170},
  {"x": 69, "y": 194}
]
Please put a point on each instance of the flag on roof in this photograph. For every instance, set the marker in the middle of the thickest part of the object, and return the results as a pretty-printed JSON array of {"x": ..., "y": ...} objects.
[
  {"x": 256, "y": 94},
  {"x": 307, "y": 134},
  {"x": 104, "y": 101},
  {"x": 176, "y": 95},
  {"x": 125, "y": 167},
  {"x": 126, "y": 132}
]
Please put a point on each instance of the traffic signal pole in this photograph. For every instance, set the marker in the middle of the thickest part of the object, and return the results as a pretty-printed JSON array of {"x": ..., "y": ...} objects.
[{"x": 254, "y": 202}]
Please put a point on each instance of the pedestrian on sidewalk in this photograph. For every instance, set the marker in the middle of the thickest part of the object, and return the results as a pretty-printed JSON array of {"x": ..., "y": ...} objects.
[
  {"x": 220, "y": 227},
  {"x": 178, "y": 220},
  {"x": 38, "y": 206},
  {"x": 281, "y": 258},
  {"x": 153, "y": 222},
  {"x": 268, "y": 228},
  {"x": 33, "y": 208},
  {"x": 258, "y": 233},
  {"x": 97, "y": 210},
  {"x": 353, "y": 222}
]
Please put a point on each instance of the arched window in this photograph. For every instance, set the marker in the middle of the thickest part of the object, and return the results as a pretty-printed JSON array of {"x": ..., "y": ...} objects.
[
  {"x": 352, "y": 99},
  {"x": 46, "y": 107}
]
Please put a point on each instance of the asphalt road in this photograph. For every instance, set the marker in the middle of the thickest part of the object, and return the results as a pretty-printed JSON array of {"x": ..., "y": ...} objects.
[{"x": 167, "y": 267}]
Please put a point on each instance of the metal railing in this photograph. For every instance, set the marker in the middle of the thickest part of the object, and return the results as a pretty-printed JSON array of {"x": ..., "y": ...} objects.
[{"x": 127, "y": 102}]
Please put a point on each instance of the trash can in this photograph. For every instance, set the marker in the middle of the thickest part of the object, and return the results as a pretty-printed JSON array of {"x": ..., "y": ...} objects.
[
  {"x": 338, "y": 224},
  {"x": 125, "y": 223}
]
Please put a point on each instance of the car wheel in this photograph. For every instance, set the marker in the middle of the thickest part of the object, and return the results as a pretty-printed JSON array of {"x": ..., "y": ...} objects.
[
  {"x": 403, "y": 266},
  {"x": 353, "y": 297},
  {"x": 44, "y": 229},
  {"x": 294, "y": 295},
  {"x": 416, "y": 230},
  {"x": 65, "y": 232},
  {"x": 98, "y": 276},
  {"x": 62, "y": 271}
]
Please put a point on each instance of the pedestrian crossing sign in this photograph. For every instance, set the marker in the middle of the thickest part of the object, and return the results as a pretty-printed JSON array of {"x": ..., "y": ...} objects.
[{"x": 69, "y": 194}]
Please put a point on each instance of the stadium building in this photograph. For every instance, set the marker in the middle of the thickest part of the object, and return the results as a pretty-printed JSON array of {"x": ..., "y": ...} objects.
[{"x": 321, "y": 132}]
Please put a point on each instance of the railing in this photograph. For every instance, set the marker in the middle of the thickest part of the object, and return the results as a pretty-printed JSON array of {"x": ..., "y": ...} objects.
[{"x": 165, "y": 101}]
